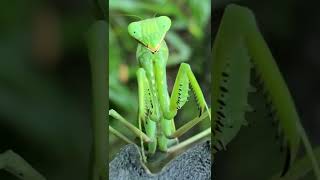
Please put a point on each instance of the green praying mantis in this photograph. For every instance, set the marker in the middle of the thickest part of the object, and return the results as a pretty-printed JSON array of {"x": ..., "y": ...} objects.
[
  {"x": 156, "y": 108},
  {"x": 238, "y": 50}
]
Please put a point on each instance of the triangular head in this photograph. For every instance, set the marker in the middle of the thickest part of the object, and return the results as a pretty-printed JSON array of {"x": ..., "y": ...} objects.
[{"x": 150, "y": 32}]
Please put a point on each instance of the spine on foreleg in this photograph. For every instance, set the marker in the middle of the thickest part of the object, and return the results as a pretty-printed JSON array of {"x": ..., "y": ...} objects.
[{"x": 231, "y": 78}]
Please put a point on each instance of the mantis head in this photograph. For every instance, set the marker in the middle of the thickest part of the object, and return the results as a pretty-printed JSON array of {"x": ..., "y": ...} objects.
[{"x": 150, "y": 32}]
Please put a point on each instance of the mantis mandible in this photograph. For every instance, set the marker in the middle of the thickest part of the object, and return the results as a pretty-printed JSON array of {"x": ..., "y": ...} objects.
[{"x": 156, "y": 108}]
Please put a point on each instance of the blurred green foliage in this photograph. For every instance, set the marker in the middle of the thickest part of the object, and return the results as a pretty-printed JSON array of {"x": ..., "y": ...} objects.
[
  {"x": 45, "y": 88},
  {"x": 97, "y": 49},
  {"x": 188, "y": 41}
]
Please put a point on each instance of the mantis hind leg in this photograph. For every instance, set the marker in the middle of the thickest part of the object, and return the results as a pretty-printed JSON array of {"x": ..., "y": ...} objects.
[
  {"x": 16, "y": 165},
  {"x": 192, "y": 139},
  {"x": 120, "y": 135},
  {"x": 138, "y": 132},
  {"x": 134, "y": 129}
]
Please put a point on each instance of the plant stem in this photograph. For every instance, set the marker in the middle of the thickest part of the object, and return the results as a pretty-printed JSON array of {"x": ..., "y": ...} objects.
[{"x": 97, "y": 46}]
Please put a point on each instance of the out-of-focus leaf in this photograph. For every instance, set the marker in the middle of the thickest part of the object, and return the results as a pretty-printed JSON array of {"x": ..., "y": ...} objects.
[
  {"x": 114, "y": 53},
  {"x": 201, "y": 11},
  {"x": 118, "y": 92},
  {"x": 181, "y": 51},
  {"x": 132, "y": 7}
]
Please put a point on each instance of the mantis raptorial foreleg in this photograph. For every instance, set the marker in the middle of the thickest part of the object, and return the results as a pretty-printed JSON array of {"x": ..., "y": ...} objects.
[
  {"x": 180, "y": 92},
  {"x": 13, "y": 163},
  {"x": 179, "y": 96},
  {"x": 238, "y": 47}
]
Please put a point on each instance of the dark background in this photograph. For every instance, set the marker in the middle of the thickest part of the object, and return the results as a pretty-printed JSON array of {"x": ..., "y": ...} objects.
[{"x": 292, "y": 30}]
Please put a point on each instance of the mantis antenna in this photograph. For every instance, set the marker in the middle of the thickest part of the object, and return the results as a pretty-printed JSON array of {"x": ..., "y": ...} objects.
[
  {"x": 129, "y": 15},
  {"x": 161, "y": 8}
]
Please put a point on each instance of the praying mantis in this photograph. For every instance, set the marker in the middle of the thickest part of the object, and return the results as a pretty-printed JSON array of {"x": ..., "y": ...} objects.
[
  {"x": 238, "y": 50},
  {"x": 156, "y": 108}
]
